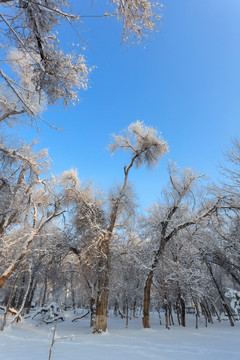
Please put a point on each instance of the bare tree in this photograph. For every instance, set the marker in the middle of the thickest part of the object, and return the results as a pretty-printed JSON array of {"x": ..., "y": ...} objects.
[
  {"x": 167, "y": 220},
  {"x": 95, "y": 223},
  {"x": 145, "y": 147},
  {"x": 28, "y": 204}
]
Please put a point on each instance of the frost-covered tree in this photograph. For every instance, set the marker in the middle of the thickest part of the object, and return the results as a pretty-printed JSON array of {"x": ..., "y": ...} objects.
[
  {"x": 170, "y": 218},
  {"x": 234, "y": 296},
  {"x": 145, "y": 147},
  {"x": 96, "y": 218},
  {"x": 220, "y": 250},
  {"x": 127, "y": 270},
  {"x": 231, "y": 173},
  {"x": 36, "y": 69},
  {"x": 29, "y": 202}
]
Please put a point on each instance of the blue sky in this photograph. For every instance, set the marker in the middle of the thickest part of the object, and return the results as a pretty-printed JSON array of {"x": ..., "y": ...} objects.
[{"x": 184, "y": 80}]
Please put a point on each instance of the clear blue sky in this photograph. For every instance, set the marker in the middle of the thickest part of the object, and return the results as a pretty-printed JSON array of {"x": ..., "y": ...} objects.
[{"x": 184, "y": 80}]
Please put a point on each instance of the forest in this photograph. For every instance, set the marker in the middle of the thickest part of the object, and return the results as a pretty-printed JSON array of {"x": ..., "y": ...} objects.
[{"x": 65, "y": 244}]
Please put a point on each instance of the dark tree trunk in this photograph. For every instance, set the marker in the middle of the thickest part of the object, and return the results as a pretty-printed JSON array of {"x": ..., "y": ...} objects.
[
  {"x": 208, "y": 312},
  {"x": 178, "y": 312},
  {"x": 72, "y": 292},
  {"x": 116, "y": 308},
  {"x": 11, "y": 295},
  {"x": 195, "y": 302},
  {"x": 21, "y": 293},
  {"x": 103, "y": 288},
  {"x": 93, "y": 312},
  {"x": 171, "y": 321},
  {"x": 217, "y": 312},
  {"x": 183, "y": 311},
  {"x": 228, "y": 311},
  {"x": 166, "y": 316},
  {"x": 30, "y": 297},
  {"x": 146, "y": 303},
  {"x": 126, "y": 312},
  {"x": 159, "y": 315},
  {"x": 45, "y": 291},
  {"x": 196, "y": 321},
  {"x": 134, "y": 309},
  {"x": 204, "y": 313},
  {"x": 101, "y": 307}
]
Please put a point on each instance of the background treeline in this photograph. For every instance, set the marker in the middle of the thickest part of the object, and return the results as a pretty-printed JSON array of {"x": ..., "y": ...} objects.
[{"x": 66, "y": 242}]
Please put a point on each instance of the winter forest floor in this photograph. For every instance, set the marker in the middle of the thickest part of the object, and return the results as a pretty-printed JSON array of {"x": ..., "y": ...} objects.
[{"x": 29, "y": 341}]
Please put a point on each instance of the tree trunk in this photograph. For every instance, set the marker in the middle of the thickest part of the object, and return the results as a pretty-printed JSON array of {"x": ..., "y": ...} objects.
[
  {"x": 178, "y": 312},
  {"x": 30, "y": 297},
  {"x": 196, "y": 321},
  {"x": 101, "y": 307},
  {"x": 18, "y": 315},
  {"x": 134, "y": 309},
  {"x": 166, "y": 316},
  {"x": 103, "y": 291},
  {"x": 208, "y": 311},
  {"x": 103, "y": 288},
  {"x": 8, "y": 272},
  {"x": 126, "y": 312},
  {"x": 195, "y": 302},
  {"x": 9, "y": 303},
  {"x": 146, "y": 302},
  {"x": 183, "y": 311},
  {"x": 217, "y": 313},
  {"x": 45, "y": 291},
  {"x": 116, "y": 308},
  {"x": 159, "y": 315},
  {"x": 228, "y": 311},
  {"x": 93, "y": 312},
  {"x": 204, "y": 313},
  {"x": 21, "y": 293},
  {"x": 171, "y": 321},
  {"x": 72, "y": 292}
]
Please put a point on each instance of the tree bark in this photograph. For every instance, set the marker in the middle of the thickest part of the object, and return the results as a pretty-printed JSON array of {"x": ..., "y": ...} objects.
[
  {"x": 228, "y": 311},
  {"x": 103, "y": 288},
  {"x": 30, "y": 296},
  {"x": 102, "y": 307},
  {"x": 93, "y": 312},
  {"x": 44, "y": 291},
  {"x": 146, "y": 303},
  {"x": 127, "y": 312},
  {"x": 183, "y": 311},
  {"x": 166, "y": 316},
  {"x": 116, "y": 308}
]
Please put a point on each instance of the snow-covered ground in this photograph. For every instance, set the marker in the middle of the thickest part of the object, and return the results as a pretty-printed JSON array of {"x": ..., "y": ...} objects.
[{"x": 27, "y": 341}]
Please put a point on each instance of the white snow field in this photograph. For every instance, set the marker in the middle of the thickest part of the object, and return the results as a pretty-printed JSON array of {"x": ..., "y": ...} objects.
[{"x": 29, "y": 341}]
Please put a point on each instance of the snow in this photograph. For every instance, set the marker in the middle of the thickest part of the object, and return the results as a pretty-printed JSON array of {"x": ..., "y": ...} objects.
[{"x": 29, "y": 341}]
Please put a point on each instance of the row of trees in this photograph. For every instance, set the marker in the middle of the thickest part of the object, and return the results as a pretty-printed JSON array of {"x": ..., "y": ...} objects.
[{"x": 67, "y": 242}]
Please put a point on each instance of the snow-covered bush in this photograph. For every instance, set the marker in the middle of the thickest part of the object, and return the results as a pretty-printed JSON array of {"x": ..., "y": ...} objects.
[
  {"x": 49, "y": 313},
  {"x": 234, "y": 296}
]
